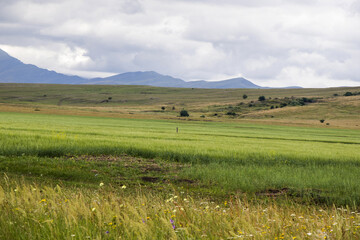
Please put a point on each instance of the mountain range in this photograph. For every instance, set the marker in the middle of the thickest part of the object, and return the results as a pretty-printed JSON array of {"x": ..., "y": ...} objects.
[{"x": 13, "y": 70}]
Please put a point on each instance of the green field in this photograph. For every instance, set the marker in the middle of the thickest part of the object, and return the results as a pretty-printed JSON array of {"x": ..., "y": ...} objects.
[
  {"x": 233, "y": 157},
  {"x": 80, "y": 169}
]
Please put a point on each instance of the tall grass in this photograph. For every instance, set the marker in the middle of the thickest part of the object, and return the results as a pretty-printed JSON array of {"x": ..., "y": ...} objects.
[{"x": 30, "y": 211}]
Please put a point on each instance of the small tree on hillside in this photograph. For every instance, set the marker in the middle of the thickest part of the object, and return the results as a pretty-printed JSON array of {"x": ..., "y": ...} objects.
[
  {"x": 184, "y": 113},
  {"x": 262, "y": 98},
  {"x": 244, "y": 96}
]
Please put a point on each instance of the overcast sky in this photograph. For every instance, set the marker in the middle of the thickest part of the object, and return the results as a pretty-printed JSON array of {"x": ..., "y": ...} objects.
[{"x": 308, "y": 43}]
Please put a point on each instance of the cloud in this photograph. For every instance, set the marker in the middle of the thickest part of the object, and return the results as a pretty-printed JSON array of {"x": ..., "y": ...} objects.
[{"x": 269, "y": 42}]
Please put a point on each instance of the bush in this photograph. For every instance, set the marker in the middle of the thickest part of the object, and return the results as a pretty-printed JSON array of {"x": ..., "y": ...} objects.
[
  {"x": 262, "y": 98},
  {"x": 272, "y": 107},
  {"x": 231, "y": 113},
  {"x": 245, "y": 96},
  {"x": 184, "y": 113},
  {"x": 163, "y": 108},
  {"x": 348, "y": 94},
  {"x": 283, "y": 105},
  {"x": 322, "y": 120}
]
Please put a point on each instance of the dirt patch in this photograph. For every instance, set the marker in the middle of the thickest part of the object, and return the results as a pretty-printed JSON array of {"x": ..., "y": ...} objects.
[
  {"x": 142, "y": 165},
  {"x": 273, "y": 192},
  {"x": 150, "y": 179}
]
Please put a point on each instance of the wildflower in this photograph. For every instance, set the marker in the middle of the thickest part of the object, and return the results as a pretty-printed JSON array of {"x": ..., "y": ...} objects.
[
  {"x": 93, "y": 209},
  {"x": 107, "y": 232},
  {"x": 172, "y": 223},
  {"x": 43, "y": 200},
  {"x": 72, "y": 235},
  {"x": 217, "y": 207},
  {"x": 101, "y": 184},
  {"x": 309, "y": 233},
  {"x": 15, "y": 190},
  {"x": 123, "y": 187}
]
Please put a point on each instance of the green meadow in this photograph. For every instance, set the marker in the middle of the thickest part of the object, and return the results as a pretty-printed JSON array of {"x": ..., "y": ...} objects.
[
  {"x": 322, "y": 164},
  {"x": 74, "y": 167}
]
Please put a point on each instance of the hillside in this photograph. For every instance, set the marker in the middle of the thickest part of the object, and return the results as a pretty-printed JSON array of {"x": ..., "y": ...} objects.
[{"x": 282, "y": 106}]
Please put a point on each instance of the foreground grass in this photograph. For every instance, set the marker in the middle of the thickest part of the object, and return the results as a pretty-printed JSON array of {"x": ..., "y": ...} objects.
[{"x": 53, "y": 212}]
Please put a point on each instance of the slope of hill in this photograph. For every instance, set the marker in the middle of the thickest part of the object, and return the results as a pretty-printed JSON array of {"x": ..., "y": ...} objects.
[{"x": 14, "y": 71}]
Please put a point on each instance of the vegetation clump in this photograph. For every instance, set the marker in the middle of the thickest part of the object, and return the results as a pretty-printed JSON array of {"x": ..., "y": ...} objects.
[
  {"x": 347, "y": 94},
  {"x": 184, "y": 113},
  {"x": 262, "y": 98}
]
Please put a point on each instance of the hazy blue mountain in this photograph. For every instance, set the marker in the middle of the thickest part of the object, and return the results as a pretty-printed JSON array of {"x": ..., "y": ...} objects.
[
  {"x": 140, "y": 78},
  {"x": 230, "y": 83},
  {"x": 14, "y": 71}
]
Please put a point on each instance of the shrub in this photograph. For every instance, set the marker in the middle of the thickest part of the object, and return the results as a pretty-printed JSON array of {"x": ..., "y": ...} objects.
[
  {"x": 262, "y": 98},
  {"x": 348, "y": 94},
  {"x": 163, "y": 108},
  {"x": 109, "y": 98},
  {"x": 272, "y": 107},
  {"x": 231, "y": 113},
  {"x": 173, "y": 108},
  {"x": 245, "y": 96},
  {"x": 283, "y": 105},
  {"x": 184, "y": 113},
  {"x": 322, "y": 120},
  {"x": 202, "y": 116}
]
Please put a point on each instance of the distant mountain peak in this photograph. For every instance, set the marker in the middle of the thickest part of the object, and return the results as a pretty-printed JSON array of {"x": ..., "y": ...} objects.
[{"x": 14, "y": 71}]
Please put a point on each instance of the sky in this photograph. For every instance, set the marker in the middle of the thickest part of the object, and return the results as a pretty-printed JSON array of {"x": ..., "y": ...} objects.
[{"x": 275, "y": 43}]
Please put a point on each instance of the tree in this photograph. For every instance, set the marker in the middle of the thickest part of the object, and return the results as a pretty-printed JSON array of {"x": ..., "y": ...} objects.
[
  {"x": 163, "y": 108},
  {"x": 184, "y": 113},
  {"x": 244, "y": 96},
  {"x": 262, "y": 98}
]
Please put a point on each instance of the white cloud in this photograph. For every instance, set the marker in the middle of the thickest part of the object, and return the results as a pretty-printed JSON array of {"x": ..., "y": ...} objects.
[{"x": 268, "y": 41}]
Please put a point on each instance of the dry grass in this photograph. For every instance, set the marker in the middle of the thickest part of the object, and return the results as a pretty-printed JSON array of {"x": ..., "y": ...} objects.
[{"x": 59, "y": 213}]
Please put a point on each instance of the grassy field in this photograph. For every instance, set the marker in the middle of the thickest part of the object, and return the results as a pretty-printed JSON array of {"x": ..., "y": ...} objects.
[
  {"x": 203, "y": 104},
  {"x": 80, "y": 169}
]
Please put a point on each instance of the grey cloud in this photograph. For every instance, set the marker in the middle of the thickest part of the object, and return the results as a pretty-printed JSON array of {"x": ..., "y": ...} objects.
[{"x": 262, "y": 40}]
